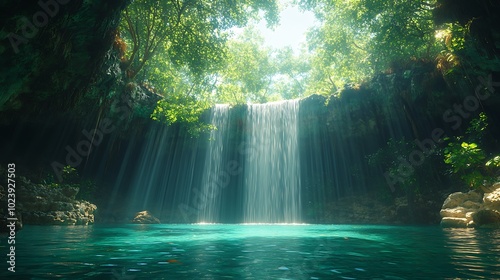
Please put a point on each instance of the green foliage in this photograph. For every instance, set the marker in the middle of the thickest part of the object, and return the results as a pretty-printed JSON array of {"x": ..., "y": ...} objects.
[
  {"x": 477, "y": 127},
  {"x": 70, "y": 174},
  {"x": 71, "y": 178},
  {"x": 184, "y": 109},
  {"x": 254, "y": 73},
  {"x": 248, "y": 72},
  {"x": 358, "y": 38},
  {"x": 390, "y": 157},
  {"x": 293, "y": 73},
  {"x": 494, "y": 162},
  {"x": 467, "y": 159},
  {"x": 176, "y": 48},
  {"x": 189, "y": 33},
  {"x": 463, "y": 156},
  {"x": 459, "y": 48},
  {"x": 452, "y": 37}
]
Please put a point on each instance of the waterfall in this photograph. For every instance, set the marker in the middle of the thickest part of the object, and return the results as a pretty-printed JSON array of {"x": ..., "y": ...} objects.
[
  {"x": 247, "y": 172},
  {"x": 210, "y": 210},
  {"x": 255, "y": 168},
  {"x": 272, "y": 170},
  {"x": 268, "y": 187}
]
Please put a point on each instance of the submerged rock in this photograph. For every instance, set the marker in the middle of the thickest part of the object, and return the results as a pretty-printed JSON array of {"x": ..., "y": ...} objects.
[{"x": 145, "y": 217}]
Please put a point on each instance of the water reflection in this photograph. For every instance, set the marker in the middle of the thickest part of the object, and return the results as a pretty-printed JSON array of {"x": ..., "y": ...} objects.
[{"x": 474, "y": 252}]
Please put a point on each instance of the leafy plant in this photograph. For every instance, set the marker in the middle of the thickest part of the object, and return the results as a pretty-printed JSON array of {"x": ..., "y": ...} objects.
[
  {"x": 463, "y": 156},
  {"x": 70, "y": 174},
  {"x": 186, "y": 110},
  {"x": 494, "y": 162},
  {"x": 467, "y": 159}
]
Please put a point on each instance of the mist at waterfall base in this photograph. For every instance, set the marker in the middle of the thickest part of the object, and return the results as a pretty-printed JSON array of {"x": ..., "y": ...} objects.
[{"x": 265, "y": 163}]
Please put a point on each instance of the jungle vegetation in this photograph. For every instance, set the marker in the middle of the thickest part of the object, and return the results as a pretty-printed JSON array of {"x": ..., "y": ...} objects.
[{"x": 186, "y": 51}]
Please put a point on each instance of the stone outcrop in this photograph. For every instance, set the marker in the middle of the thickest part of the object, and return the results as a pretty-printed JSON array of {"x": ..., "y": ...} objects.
[
  {"x": 145, "y": 217},
  {"x": 492, "y": 200},
  {"x": 52, "y": 205},
  {"x": 472, "y": 209}
]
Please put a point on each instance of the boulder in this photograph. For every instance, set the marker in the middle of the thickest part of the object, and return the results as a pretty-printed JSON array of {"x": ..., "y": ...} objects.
[
  {"x": 471, "y": 205},
  {"x": 492, "y": 200},
  {"x": 145, "y": 217},
  {"x": 50, "y": 205},
  {"x": 450, "y": 222},
  {"x": 472, "y": 209},
  {"x": 486, "y": 218},
  {"x": 457, "y": 212},
  {"x": 458, "y": 209},
  {"x": 458, "y": 198}
]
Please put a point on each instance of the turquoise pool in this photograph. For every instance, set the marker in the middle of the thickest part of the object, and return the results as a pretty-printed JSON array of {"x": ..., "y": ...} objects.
[{"x": 254, "y": 252}]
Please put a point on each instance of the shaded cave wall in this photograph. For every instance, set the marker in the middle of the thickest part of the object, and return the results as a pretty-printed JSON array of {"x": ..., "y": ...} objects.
[{"x": 52, "y": 54}]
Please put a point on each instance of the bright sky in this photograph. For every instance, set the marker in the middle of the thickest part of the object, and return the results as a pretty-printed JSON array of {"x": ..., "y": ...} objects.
[{"x": 291, "y": 30}]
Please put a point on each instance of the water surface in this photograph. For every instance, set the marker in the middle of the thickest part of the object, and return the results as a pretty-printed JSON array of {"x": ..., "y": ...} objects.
[{"x": 254, "y": 252}]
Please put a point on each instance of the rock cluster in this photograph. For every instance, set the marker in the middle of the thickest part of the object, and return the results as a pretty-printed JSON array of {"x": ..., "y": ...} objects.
[
  {"x": 145, "y": 217},
  {"x": 472, "y": 209},
  {"x": 51, "y": 205}
]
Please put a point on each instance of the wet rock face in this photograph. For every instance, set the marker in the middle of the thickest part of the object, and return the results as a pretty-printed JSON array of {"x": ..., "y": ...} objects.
[
  {"x": 52, "y": 49},
  {"x": 145, "y": 217},
  {"x": 46, "y": 205},
  {"x": 472, "y": 209}
]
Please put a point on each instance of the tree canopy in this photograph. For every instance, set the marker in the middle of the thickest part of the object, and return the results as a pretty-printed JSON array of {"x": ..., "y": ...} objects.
[
  {"x": 359, "y": 38},
  {"x": 176, "y": 48},
  {"x": 185, "y": 50},
  {"x": 190, "y": 33},
  {"x": 258, "y": 74}
]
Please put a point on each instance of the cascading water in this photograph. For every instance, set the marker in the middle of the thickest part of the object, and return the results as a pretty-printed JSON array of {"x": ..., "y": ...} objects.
[
  {"x": 270, "y": 179},
  {"x": 272, "y": 170},
  {"x": 214, "y": 165},
  {"x": 255, "y": 168}
]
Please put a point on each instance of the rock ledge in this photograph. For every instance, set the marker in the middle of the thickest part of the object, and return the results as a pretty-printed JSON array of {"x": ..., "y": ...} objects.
[{"x": 472, "y": 209}]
